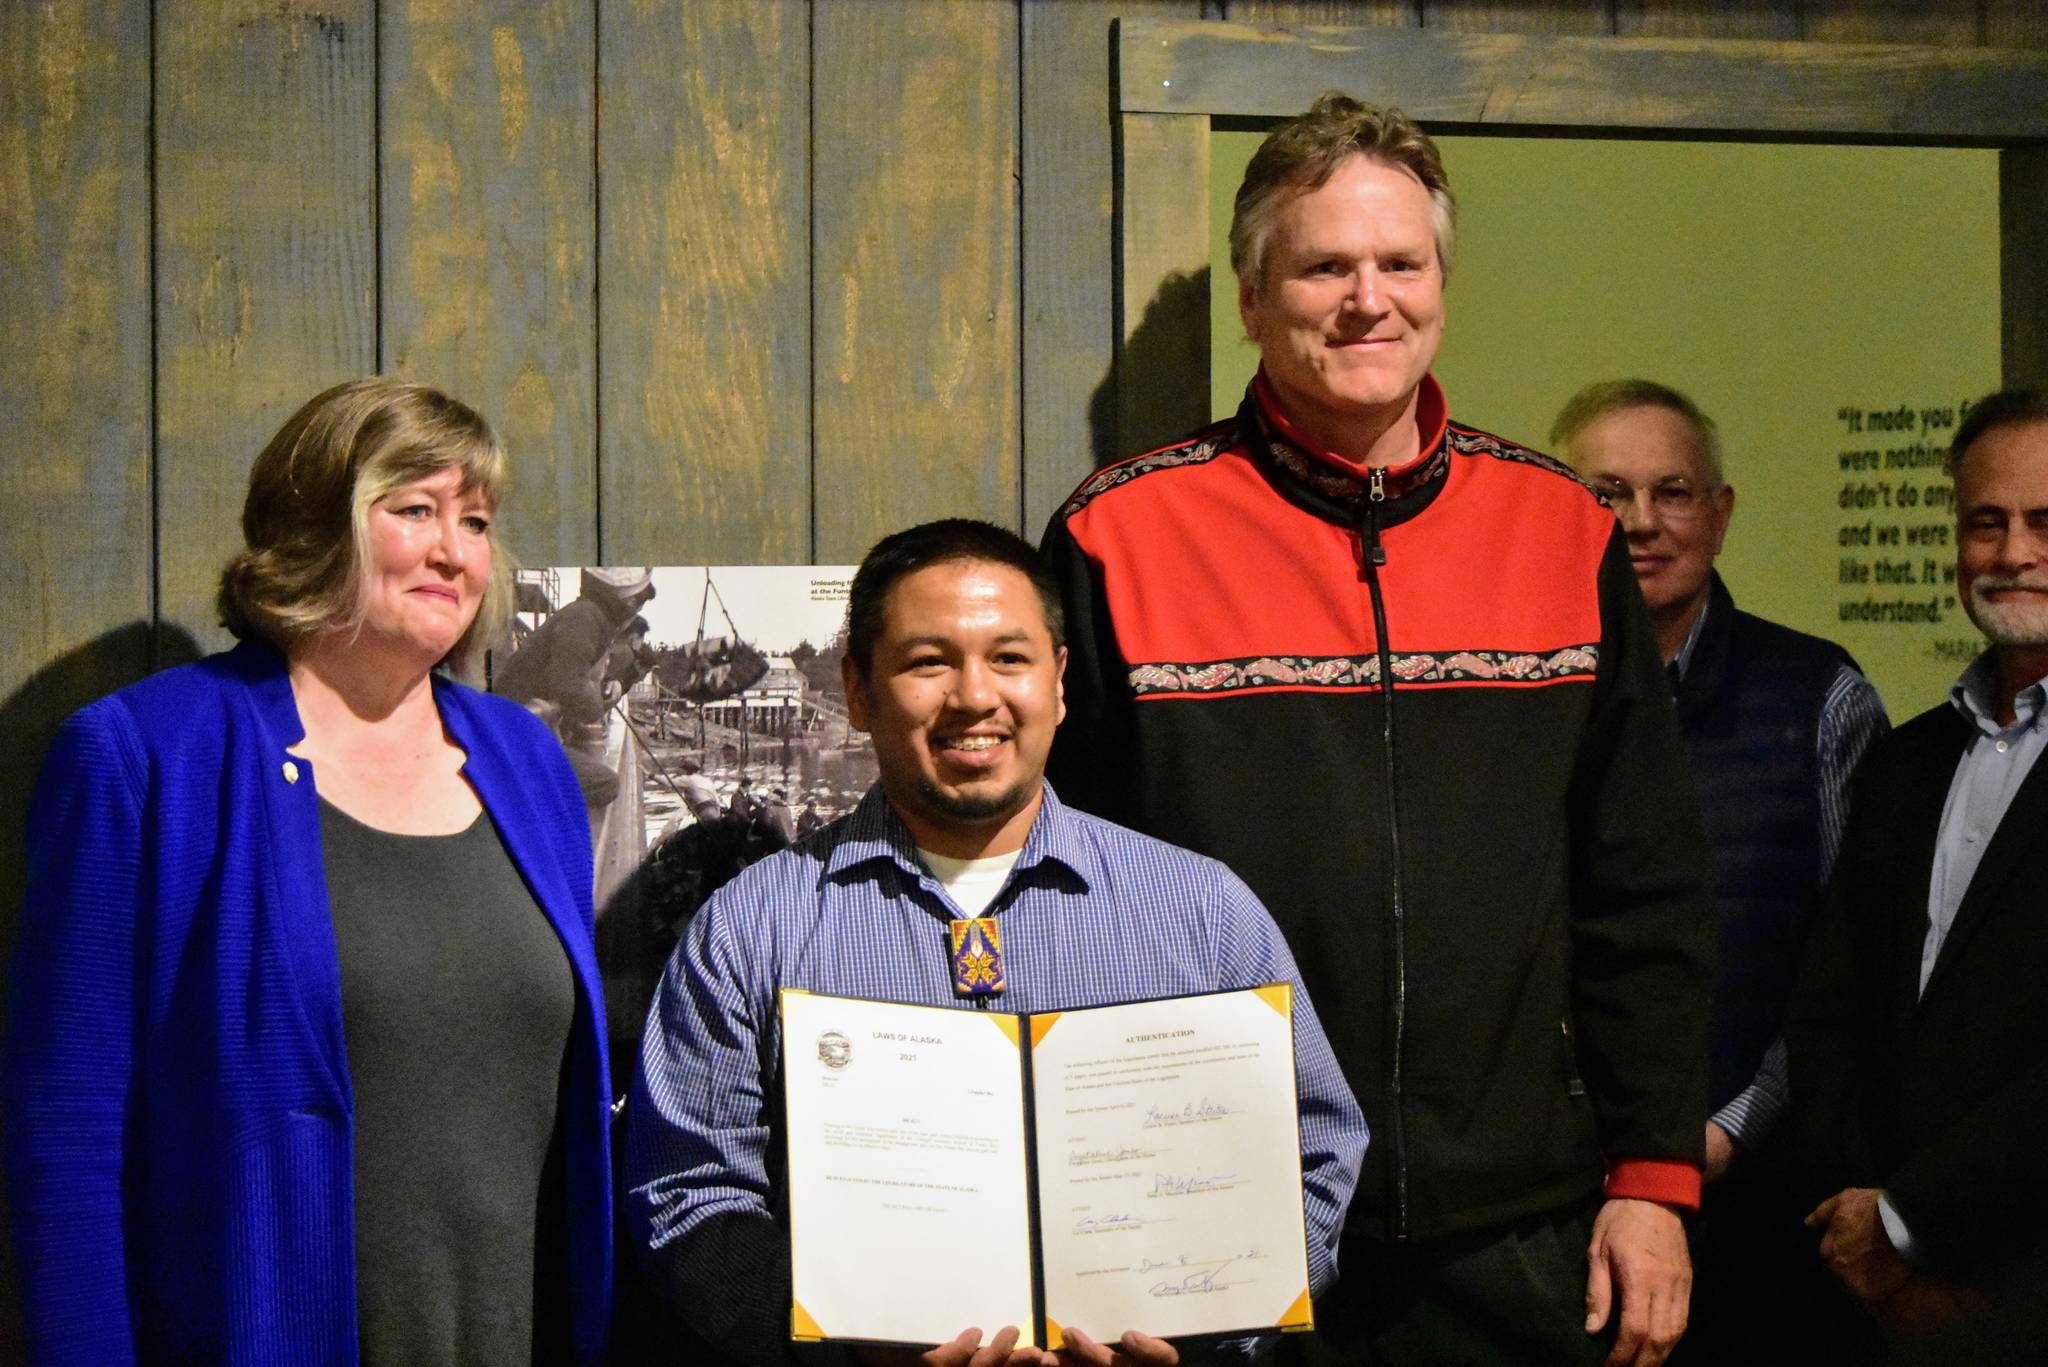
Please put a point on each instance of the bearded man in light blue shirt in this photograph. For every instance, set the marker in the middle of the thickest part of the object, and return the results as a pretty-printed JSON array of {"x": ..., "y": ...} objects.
[{"x": 1919, "y": 1040}]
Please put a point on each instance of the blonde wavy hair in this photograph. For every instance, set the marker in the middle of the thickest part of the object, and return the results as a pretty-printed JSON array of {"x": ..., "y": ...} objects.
[{"x": 305, "y": 566}]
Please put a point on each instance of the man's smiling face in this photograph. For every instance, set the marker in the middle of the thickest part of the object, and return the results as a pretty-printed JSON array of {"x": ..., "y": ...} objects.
[
  {"x": 2002, "y": 534},
  {"x": 961, "y": 698},
  {"x": 1350, "y": 312}
]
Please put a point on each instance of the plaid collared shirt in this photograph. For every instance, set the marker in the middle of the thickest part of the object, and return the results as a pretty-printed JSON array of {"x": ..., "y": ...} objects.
[{"x": 1092, "y": 914}]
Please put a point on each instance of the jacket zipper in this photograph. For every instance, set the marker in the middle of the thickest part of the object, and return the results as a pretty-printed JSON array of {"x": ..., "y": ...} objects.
[
  {"x": 1373, "y": 555},
  {"x": 1574, "y": 1085}
]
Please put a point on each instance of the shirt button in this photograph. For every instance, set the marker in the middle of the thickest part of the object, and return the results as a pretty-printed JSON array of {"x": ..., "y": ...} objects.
[
  {"x": 291, "y": 772},
  {"x": 1972, "y": 837},
  {"x": 2002, "y": 747}
]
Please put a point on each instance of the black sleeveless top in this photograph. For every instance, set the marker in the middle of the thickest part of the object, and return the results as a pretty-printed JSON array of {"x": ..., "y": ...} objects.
[{"x": 456, "y": 1001}]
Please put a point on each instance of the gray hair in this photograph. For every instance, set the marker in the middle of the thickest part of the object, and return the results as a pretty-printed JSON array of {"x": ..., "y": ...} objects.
[
  {"x": 1597, "y": 400},
  {"x": 2006, "y": 408}
]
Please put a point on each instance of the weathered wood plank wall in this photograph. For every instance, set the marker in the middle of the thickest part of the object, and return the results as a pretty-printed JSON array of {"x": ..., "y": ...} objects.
[
  {"x": 738, "y": 279},
  {"x": 76, "y": 432},
  {"x": 704, "y": 307},
  {"x": 265, "y": 254},
  {"x": 914, "y": 284},
  {"x": 76, "y": 460},
  {"x": 487, "y": 241}
]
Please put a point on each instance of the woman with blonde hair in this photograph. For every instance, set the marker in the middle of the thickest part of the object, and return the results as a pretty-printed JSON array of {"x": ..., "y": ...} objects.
[{"x": 305, "y": 1059}]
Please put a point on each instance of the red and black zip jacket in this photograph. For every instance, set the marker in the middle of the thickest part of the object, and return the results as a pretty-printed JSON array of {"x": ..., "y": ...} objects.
[{"x": 1492, "y": 873}]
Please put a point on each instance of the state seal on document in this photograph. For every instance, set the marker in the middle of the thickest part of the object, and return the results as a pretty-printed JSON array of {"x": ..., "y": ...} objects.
[{"x": 835, "y": 1050}]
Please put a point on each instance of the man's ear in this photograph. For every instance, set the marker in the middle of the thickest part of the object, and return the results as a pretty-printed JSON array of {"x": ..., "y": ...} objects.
[
  {"x": 1724, "y": 513},
  {"x": 1247, "y": 299},
  {"x": 1059, "y": 685},
  {"x": 856, "y": 686}
]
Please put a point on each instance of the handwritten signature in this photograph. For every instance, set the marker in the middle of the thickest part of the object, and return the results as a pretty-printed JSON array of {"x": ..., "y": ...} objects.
[
  {"x": 1172, "y": 1184},
  {"x": 1106, "y": 1221},
  {"x": 1196, "y": 1283},
  {"x": 1190, "y": 1113},
  {"x": 1181, "y": 1260}
]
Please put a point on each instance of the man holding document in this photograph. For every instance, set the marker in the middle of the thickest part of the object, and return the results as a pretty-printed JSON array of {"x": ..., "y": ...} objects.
[{"x": 942, "y": 944}]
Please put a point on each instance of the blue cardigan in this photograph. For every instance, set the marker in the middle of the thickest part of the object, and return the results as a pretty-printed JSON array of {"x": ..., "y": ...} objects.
[{"x": 180, "y": 1139}]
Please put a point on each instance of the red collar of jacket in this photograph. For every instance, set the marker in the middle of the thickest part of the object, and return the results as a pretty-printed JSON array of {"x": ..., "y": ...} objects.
[{"x": 1432, "y": 423}]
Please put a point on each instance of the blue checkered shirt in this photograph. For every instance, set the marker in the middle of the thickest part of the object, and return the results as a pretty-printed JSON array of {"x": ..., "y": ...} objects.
[{"x": 1092, "y": 914}]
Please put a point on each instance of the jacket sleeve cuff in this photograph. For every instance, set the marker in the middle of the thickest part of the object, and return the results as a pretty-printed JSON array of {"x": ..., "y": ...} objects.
[{"x": 1653, "y": 1179}]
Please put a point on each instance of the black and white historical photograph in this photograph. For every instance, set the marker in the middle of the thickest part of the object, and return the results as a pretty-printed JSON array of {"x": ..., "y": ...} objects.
[{"x": 703, "y": 713}]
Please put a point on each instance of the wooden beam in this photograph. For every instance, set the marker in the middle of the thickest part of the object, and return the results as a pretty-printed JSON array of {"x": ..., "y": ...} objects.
[
  {"x": 266, "y": 254},
  {"x": 705, "y": 280},
  {"x": 1163, "y": 360},
  {"x": 914, "y": 218},
  {"x": 488, "y": 240},
  {"x": 1952, "y": 94},
  {"x": 1069, "y": 183},
  {"x": 2023, "y": 264}
]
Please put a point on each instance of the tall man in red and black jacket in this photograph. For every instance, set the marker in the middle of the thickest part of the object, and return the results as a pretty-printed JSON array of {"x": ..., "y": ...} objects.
[{"x": 1397, "y": 673}]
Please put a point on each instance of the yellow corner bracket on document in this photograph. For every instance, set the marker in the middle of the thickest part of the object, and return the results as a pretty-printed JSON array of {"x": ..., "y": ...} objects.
[{"x": 1040, "y": 1025}]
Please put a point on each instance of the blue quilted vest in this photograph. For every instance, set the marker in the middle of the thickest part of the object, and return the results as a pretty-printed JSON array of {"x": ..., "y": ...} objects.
[{"x": 1750, "y": 707}]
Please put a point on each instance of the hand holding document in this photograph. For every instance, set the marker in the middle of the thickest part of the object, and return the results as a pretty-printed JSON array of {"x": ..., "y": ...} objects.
[{"x": 1167, "y": 1169}]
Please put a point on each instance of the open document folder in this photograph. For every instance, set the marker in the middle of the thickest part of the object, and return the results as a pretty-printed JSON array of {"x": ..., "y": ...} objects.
[{"x": 1119, "y": 1167}]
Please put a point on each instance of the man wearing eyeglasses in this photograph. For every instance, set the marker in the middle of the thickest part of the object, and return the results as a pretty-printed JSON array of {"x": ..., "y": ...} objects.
[{"x": 1774, "y": 723}]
